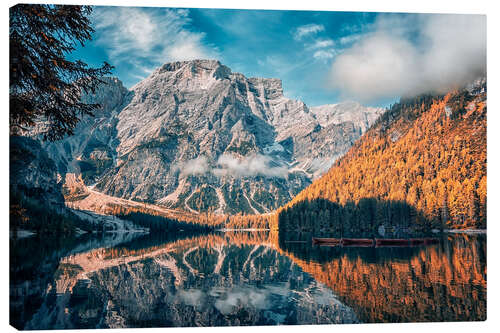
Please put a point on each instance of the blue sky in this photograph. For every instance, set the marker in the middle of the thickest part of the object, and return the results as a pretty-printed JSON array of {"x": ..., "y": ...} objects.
[{"x": 322, "y": 57}]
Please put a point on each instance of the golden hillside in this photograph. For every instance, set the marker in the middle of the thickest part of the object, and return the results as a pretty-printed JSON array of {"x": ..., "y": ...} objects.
[{"x": 428, "y": 153}]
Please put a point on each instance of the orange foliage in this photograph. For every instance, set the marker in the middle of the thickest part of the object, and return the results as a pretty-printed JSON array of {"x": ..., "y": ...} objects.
[
  {"x": 427, "y": 152},
  {"x": 431, "y": 286}
]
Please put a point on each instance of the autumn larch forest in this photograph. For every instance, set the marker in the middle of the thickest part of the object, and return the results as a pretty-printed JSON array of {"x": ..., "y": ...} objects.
[{"x": 422, "y": 165}]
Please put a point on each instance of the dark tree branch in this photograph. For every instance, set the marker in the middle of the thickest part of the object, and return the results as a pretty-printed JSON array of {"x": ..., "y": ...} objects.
[{"x": 44, "y": 85}]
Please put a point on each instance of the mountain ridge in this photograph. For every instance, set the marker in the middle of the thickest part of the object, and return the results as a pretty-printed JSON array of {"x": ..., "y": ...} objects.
[{"x": 196, "y": 136}]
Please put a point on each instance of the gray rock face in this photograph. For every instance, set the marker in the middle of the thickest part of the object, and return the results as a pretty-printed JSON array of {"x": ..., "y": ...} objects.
[
  {"x": 352, "y": 112},
  {"x": 92, "y": 148},
  {"x": 32, "y": 172},
  {"x": 196, "y": 136}
]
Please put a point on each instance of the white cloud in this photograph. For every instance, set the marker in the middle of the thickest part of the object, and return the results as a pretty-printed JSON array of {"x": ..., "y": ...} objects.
[
  {"x": 324, "y": 54},
  {"x": 197, "y": 166},
  {"x": 228, "y": 165},
  {"x": 319, "y": 48},
  {"x": 409, "y": 56},
  {"x": 322, "y": 43},
  {"x": 306, "y": 30},
  {"x": 146, "y": 38},
  {"x": 248, "y": 166},
  {"x": 350, "y": 39}
]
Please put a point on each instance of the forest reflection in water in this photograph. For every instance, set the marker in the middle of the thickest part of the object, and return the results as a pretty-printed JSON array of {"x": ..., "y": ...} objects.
[
  {"x": 440, "y": 282},
  {"x": 243, "y": 278}
]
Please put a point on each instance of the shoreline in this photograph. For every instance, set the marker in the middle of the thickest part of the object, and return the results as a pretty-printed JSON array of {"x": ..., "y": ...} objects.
[
  {"x": 465, "y": 231},
  {"x": 244, "y": 229}
]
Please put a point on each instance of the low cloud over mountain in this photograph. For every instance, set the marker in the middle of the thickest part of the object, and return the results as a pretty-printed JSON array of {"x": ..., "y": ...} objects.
[
  {"x": 249, "y": 166},
  {"x": 412, "y": 54}
]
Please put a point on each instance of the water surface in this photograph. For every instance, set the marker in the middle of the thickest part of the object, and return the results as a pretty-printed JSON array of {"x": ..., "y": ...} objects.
[{"x": 241, "y": 278}]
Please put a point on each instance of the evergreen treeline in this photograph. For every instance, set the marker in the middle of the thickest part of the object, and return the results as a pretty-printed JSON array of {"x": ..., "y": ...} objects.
[
  {"x": 320, "y": 216},
  {"x": 160, "y": 223},
  {"x": 427, "y": 152},
  {"x": 206, "y": 220},
  {"x": 240, "y": 221}
]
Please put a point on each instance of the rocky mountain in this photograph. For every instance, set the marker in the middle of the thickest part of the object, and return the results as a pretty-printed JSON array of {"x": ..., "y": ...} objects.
[
  {"x": 340, "y": 113},
  {"x": 196, "y": 136},
  {"x": 92, "y": 149},
  {"x": 32, "y": 173}
]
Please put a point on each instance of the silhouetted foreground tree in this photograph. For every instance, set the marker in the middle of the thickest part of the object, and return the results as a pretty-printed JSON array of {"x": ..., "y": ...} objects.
[{"x": 44, "y": 85}]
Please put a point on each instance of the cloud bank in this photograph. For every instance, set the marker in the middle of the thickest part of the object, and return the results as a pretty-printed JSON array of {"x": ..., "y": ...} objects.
[
  {"x": 249, "y": 166},
  {"x": 410, "y": 55},
  {"x": 228, "y": 165}
]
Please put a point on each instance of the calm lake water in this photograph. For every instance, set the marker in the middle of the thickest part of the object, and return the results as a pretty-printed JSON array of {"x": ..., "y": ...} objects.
[{"x": 240, "y": 278}]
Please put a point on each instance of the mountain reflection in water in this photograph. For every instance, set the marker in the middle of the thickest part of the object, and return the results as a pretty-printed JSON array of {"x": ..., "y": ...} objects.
[{"x": 243, "y": 278}]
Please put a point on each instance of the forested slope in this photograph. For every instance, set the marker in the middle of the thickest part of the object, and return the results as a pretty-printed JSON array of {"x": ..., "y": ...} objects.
[{"x": 422, "y": 164}]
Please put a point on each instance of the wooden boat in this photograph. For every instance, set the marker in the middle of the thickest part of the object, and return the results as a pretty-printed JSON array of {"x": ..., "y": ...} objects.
[
  {"x": 343, "y": 241},
  {"x": 326, "y": 241},
  {"x": 357, "y": 242},
  {"x": 367, "y": 242},
  {"x": 391, "y": 242}
]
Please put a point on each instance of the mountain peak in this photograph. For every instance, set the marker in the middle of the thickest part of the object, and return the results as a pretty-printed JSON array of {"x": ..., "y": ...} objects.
[
  {"x": 199, "y": 68},
  {"x": 190, "y": 116},
  {"x": 192, "y": 65},
  {"x": 204, "y": 63}
]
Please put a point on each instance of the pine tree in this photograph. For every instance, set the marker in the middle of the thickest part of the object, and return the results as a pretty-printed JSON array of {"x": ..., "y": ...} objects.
[{"x": 44, "y": 85}]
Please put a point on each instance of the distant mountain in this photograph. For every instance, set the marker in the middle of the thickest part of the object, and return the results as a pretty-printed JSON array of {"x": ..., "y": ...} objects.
[
  {"x": 422, "y": 164},
  {"x": 196, "y": 136}
]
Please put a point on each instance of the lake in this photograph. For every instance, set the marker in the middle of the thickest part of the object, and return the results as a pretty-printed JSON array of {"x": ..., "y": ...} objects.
[{"x": 240, "y": 278}]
